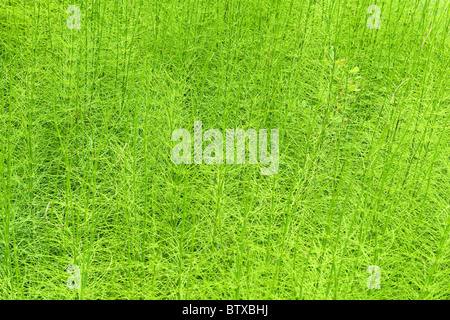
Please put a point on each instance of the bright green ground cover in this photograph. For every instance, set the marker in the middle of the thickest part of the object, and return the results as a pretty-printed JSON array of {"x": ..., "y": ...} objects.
[{"x": 86, "y": 118}]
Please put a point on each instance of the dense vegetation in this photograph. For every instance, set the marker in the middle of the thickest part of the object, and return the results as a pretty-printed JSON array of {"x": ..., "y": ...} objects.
[{"x": 86, "y": 177}]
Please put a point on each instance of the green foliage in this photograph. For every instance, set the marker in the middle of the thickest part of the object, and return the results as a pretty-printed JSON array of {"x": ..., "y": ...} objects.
[{"x": 86, "y": 179}]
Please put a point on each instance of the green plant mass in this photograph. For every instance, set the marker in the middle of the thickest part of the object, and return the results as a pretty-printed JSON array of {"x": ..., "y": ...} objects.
[{"x": 92, "y": 206}]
